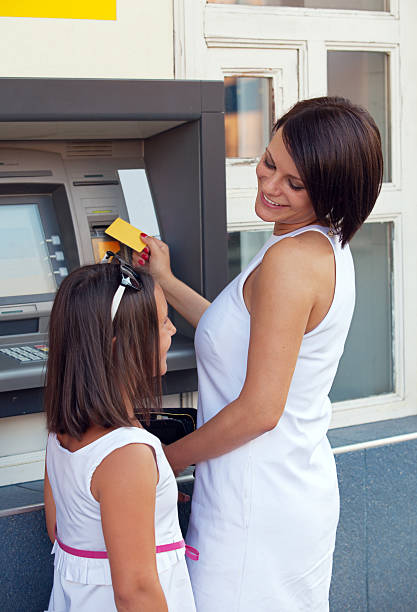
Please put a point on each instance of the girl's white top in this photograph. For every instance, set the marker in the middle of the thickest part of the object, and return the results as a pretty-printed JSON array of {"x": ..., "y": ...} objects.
[
  {"x": 83, "y": 584},
  {"x": 264, "y": 516}
]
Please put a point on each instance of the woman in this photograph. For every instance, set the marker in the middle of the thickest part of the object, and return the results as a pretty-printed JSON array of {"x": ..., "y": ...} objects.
[{"x": 265, "y": 505}]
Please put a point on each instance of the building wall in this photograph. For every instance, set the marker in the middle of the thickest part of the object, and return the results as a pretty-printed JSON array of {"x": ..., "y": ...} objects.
[{"x": 137, "y": 45}]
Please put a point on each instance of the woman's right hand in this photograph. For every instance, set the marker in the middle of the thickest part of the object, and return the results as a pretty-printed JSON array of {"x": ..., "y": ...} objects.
[
  {"x": 158, "y": 260},
  {"x": 187, "y": 302}
]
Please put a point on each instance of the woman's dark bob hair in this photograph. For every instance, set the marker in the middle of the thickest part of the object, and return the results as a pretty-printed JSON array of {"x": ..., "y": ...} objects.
[
  {"x": 336, "y": 147},
  {"x": 98, "y": 368}
]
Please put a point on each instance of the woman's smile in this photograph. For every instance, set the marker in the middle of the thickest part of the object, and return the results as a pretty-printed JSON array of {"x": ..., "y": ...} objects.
[{"x": 268, "y": 202}]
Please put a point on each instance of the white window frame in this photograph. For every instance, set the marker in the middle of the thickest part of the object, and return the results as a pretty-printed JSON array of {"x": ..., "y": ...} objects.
[{"x": 296, "y": 11}]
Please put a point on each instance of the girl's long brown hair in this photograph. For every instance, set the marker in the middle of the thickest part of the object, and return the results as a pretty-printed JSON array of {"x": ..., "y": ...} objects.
[{"x": 96, "y": 368}]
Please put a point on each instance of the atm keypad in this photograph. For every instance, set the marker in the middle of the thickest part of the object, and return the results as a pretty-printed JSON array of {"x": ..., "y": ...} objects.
[{"x": 26, "y": 353}]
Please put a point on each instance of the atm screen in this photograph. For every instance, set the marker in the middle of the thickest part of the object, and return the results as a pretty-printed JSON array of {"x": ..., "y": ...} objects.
[{"x": 25, "y": 262}]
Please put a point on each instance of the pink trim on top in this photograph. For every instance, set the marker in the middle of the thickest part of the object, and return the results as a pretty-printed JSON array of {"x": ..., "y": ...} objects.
[
  {"x": 88, "y": 554},
  {"x": 191, "y": 553}
]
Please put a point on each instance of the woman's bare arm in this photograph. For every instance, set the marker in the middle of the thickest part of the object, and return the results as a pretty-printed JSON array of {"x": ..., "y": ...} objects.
[
  {"x": 190, "y": 304},
  {"x": 125, "y": 486},
  {"x": 283, "y": 296}
]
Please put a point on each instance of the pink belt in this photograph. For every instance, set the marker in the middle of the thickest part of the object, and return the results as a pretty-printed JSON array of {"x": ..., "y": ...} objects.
[{"x": 191, "y": 553}]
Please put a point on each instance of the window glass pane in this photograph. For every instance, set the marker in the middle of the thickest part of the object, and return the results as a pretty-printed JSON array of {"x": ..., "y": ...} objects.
[
  {"x": 248, "y": 118},
  {"x": 359, "y": 5},
  {"x": 362, "y": 76},
  {"x": 366, "y": 366},
  {"x": 242, "y": 247}
]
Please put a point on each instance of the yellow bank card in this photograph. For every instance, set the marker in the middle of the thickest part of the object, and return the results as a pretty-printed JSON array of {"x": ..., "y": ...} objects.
[{"x": 126, "y": 234}]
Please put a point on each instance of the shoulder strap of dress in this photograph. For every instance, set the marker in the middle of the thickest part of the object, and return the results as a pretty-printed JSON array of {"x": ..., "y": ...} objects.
[
  {"x": 325, "y": 231},
  {"x": 313, "y": 228},
  {"x": 127, "y": 435},
  {"x": 119, "y": 438}
]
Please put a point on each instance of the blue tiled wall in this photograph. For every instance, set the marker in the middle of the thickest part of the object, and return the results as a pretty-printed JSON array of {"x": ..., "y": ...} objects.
[
  {"x": 391, "y": 519},
  {"x": 26, "y": 564},
  {"x": 348, "y": 587},
  {"x": 375, "y": 562}
]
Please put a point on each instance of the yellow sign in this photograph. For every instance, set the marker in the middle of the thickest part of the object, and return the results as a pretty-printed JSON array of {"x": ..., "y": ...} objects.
[{"x": 61, "y": 9}]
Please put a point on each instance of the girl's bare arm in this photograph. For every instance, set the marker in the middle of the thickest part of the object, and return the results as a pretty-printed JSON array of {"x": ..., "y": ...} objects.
[{"x": 125, "y": 486}]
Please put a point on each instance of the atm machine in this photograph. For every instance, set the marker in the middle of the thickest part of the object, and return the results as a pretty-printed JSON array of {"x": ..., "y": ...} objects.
[{"x": 64, "y": 145}]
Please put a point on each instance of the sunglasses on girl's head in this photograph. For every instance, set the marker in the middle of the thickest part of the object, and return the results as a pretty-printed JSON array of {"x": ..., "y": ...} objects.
[{"x": 129, "y": 279}]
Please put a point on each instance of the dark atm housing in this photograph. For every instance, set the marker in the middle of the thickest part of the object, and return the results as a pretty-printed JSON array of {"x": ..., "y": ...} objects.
[{"x": 62, "y": 143}]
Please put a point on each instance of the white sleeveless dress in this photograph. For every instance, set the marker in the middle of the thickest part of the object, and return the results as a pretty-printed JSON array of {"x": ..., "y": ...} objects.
[
  {"x": 84, "y": 584},
  {"x": 264, "y": 516}
]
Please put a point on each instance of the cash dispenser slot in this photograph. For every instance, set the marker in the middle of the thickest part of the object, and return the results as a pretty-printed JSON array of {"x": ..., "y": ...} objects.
[{"x": 102, "y": 242}]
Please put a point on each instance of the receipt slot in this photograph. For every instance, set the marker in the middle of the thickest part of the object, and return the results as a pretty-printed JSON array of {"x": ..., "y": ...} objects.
[{"x": 74, "y": 156}]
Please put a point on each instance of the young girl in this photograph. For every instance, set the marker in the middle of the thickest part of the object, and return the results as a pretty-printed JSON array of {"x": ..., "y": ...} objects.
[{"x": 110, "y": 495}]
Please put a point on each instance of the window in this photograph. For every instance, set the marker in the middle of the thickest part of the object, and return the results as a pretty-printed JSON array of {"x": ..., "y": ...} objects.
[
  {"x": 366, "y": 366},
  {"x": 358, "y": 5},
  {"x": 243, "y": 246},
  {"x": 248, "y": 118},
  {"x": 363, "y": 77},
  {"x": 306, "y": 49}
]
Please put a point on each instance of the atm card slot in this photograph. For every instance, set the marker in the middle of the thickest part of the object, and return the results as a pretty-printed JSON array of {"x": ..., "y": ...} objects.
[{"x": 94, "y": 183}]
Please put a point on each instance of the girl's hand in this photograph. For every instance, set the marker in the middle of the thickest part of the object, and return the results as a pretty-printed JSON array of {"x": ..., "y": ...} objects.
[
  {"x": 156, "y": 257},
  {"x": 183, "y": 498}
]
